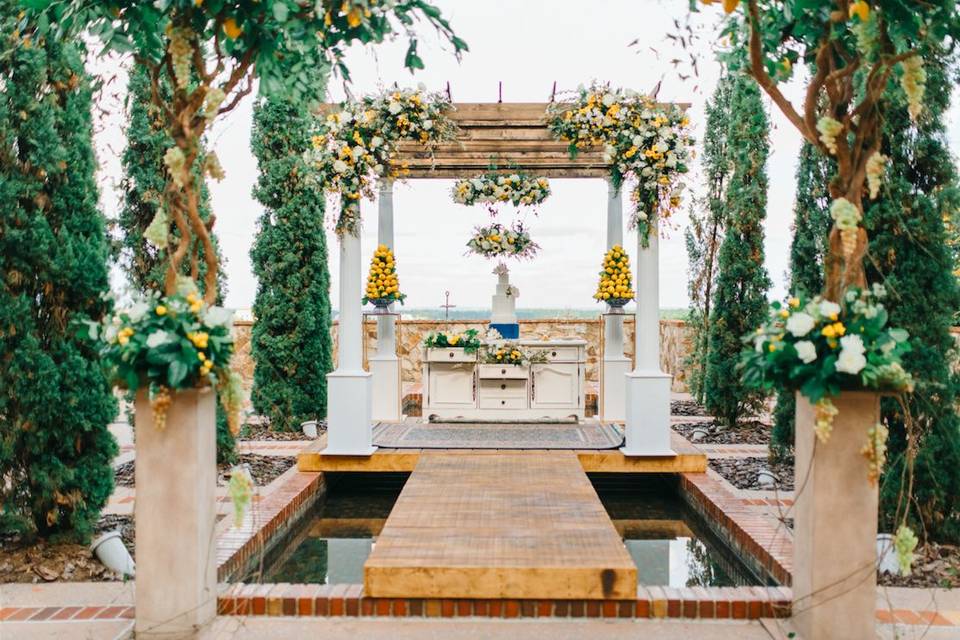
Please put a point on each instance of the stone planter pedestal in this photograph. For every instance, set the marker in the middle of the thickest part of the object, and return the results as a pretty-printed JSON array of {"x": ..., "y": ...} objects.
[
  {"x": 835, "y": 530},
  {"x": 176, "y": 478}
]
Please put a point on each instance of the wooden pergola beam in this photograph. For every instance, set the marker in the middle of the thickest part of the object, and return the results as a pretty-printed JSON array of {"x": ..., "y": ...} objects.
[{"x": 508, "y": 135}]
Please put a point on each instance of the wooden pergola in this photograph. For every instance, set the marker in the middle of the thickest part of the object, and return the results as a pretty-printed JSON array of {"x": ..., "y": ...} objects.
[{"x": 508, "y": 136}]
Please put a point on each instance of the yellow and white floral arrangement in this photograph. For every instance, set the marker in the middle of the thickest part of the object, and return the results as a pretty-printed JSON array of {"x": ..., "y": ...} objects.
[
  {"x": 615, "y": 286},
  {"x": 357, "y": 145},
  {"x": 514, "y": 354},
  {"x": 383, "y": 285},
  {"x": 492, "y": 188},
  {"x": 645, "y": 142},
  {"x": 498, "y": 241}
]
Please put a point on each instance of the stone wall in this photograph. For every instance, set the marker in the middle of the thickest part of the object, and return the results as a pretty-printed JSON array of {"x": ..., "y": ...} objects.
[{"x": 674, "y": 343}]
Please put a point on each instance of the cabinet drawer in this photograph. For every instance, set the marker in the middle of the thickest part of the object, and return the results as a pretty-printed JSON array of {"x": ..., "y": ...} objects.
[
  {"x": 563, "y": 354},
  {"x": 503, "y": 371},
  {"x": 450, "y": 355},
  {"x": 505, "y": 388},
  {"x": 503, "y": 403}
]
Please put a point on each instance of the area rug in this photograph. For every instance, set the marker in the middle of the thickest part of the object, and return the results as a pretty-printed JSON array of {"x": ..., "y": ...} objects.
[{"x": 479, "y": 435}]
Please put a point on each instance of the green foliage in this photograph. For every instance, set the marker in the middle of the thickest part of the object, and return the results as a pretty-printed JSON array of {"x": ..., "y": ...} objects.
[
  {"x": 285, "y": 41},
  {"x": 291, "y": 343},
  {"x": 468, "y": 341},
  {"x": 55, "y": 400},
  {"x": 808, "y": 250},
  {"x": 915, "y": 263},
  {"x": 705, "y": 232},
  {"x": 742, "y": 280}
]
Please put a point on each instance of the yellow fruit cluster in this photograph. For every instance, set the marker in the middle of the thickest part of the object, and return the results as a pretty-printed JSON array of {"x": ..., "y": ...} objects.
[
  {"x": 615, "y": 280},
  {"x": 382, "y": 281}
]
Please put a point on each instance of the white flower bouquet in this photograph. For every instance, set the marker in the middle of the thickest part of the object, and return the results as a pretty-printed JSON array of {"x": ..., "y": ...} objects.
[
  {"x": 821, "y": 348},
  {"x": 492, "y": 188},
  {"x": 498, "y": 241}
]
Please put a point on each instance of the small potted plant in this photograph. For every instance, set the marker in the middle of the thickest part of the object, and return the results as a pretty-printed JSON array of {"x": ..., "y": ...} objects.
[
  {"x": 615, "y": 286},
  {"x": 383, "y": 286}
]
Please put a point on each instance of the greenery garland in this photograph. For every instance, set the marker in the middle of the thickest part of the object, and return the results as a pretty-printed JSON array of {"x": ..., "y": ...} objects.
[
  {"x": 492, "y": 188},
  {"x": 498, "y": 241},
  {"x": 643, "y": 141},
  {"x": 353, "y": 148}
]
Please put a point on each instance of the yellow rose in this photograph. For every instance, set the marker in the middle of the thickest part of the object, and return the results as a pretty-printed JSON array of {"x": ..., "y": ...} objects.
[{"x": 161, "y": 310}]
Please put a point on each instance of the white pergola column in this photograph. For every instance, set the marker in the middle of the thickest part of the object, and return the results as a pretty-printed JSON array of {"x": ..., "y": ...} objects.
[
  {"x": 384, "y": 364},
  {"x": 648, "y": 388},
  {"x": 615, "y": 365},
  {"x": 349, "y": 388}
]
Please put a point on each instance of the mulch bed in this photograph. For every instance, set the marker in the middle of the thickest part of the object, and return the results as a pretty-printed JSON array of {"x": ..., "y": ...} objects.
[
  {"x": 262, "y": 431},
  {"x": 264, "y": 469},
  {"x": 747, "y": 432},
  {"x": 742, "y": 472},
  {"x": 22, "y": 561},
  {"x": 687, "y": 408},
  {"x": 936, "y": 565}
]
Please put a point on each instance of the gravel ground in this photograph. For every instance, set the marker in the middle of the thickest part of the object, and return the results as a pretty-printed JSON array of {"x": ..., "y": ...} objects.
[
  {"x": 747, "y": 432},
  {"x": 264, "y": 469},
  {"x": 742, "y": 472}
]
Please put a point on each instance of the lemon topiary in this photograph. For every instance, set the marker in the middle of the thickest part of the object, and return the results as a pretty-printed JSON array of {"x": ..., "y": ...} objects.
[
  {"x": 616, "y": 284},
  {"x": 383, "y": 286}
]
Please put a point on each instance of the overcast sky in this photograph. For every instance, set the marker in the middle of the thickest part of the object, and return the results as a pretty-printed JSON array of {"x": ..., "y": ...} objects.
[{"x": 526, "y": 46}]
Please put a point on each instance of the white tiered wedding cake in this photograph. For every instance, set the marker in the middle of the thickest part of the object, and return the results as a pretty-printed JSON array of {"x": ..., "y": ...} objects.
[{"x": 504, "y": 304}]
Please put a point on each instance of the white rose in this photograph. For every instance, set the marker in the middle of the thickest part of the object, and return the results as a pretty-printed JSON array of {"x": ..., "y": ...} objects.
[
  {"x": 800, "y": 324},
  {"x": 806, "y": 351},
  {"x": 609, "y": 99},
  {"x": 828, "y": 308},
  {"x": 217, "y": 316},
  {"x": 427, "y": 125},
  {"x": 375, "y": 142},
  {"x": 394, "y": 107},
  {"x": 137, "y": 311},
  {"x": 158, "y": 338},
  {"x": 637, "y": 141},
  {"x": 357, "y": 152},
  {"x": 851, "y": 358},
  {"x": 339, "y": 166}
]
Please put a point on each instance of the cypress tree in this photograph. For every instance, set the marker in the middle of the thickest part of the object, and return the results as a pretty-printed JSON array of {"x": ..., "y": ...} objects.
[
  {"x": 705, "y": 232},
  {"x": 291, "y": 343},
  {"x": 808, "y": 248},
  {"x": 911, "y": 256},
  {"x": 742, "y": 282},
  {"x": 144, "y": 179},
  {"x": 55, "y": 400}
]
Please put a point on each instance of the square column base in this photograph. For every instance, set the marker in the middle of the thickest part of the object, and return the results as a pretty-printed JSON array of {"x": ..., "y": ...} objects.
[
  {"x": 385, "y": 371},
  {"x": 647, "y": 428},
  {"x": 613, "y": 394},
  {"x": 349, "y": 428}
]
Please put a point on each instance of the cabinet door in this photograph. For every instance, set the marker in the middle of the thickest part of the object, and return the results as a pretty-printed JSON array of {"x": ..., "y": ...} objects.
[
  {"x": 555, "y": 385},
  {"x": 451, "y": 385}
]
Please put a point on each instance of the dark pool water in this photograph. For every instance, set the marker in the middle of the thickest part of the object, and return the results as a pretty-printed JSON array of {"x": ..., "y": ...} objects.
[{"x": 666, "y": 539}]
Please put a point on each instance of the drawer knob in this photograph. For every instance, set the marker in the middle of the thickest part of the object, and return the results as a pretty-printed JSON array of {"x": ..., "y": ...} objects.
[
  {"x": 554, "y": 354},
  {"x": 451, "y": 354},
  {"x": 503, "y": 386},
  {"x": 503, "y": 371},
  {"x": 503, "y": 402}
]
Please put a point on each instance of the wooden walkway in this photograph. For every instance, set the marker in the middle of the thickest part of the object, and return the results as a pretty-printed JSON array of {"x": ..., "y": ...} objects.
[
  {"x": 689, "y": 459},
  {"x": 509, "y": 525}
]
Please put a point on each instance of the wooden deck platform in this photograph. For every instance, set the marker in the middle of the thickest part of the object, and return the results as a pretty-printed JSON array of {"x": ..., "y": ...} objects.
[
  {"x": 689, "y": 459},
  {"x": 509, "y": 525}
]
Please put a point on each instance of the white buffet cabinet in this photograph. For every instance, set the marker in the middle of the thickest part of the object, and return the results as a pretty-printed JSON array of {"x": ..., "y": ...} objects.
[{"x": 458, "y": 385}]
